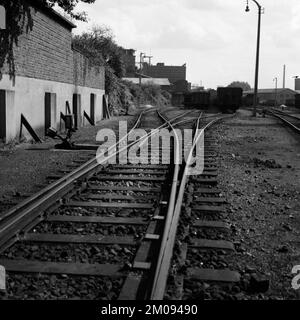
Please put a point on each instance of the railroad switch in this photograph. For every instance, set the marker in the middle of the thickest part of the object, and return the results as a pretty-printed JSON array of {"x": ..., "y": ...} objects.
[{"x": 66, "y": 141}]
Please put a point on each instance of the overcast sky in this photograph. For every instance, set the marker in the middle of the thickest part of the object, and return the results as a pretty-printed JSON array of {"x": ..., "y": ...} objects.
[{"x": 215, "y": 38}]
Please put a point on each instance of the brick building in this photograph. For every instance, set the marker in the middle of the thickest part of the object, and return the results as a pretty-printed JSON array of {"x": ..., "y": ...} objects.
[
  {"x": 49, "y": 73},
  {"x": 160, "y": 70}
]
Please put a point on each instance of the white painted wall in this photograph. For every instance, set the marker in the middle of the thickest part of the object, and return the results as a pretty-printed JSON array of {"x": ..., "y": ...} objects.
[{"x": 28, "y": 97}]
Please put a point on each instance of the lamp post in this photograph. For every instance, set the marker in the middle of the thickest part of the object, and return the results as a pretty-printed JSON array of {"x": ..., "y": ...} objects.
[
  {"x": 275, "y": 101},
  {"x": 260, "y": 11},
  {"x": 142, "y": 55}
]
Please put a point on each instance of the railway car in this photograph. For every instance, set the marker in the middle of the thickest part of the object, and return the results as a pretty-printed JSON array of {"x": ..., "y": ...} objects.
[
  {"x": 229, "y": 98},
  {"x": 297, "y": 101},
  {"x": 197, "y": 99}
]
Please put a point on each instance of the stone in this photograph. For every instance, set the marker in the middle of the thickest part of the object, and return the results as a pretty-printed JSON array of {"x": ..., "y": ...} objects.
[
  {"x": 249, "y": 269},
  {"x": 127, "y": 251},
  {"x": 287, "y": 227},
  {"x": 2, "y": 278},
  {"x": 258, "y": 284},
  {"x": 283, "y": 249}
]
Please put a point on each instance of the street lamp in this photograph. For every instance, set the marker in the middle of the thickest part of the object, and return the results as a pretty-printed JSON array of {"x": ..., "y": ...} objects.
[
  {"x": 260, "y": 11},
  {"x": 275, "y": 102}
]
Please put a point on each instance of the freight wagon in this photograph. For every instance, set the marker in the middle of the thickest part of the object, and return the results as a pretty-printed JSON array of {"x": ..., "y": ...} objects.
[
  {"x": 229, "y": 98},
  {"x": 197, "y": 99}
]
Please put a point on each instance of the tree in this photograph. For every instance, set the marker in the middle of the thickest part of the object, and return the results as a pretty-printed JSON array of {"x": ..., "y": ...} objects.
[
  {"x": 19, "y": 20},
  {"x": 240, "y": 84},
  {"x": 99, "y": 45}
]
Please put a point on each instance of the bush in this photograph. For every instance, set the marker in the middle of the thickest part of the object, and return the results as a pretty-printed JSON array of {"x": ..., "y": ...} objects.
[
  {"x": 100, "y": 47},
  {"x": 127, "y": 94}
]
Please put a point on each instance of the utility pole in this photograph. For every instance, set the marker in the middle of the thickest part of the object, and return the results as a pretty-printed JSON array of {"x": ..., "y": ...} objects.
[
  {"x": 275, "y": 102},
  {"x": 141, "y": 66},
  {"x": 260, "y": 11},
  {"x": 283, "y": 81}
]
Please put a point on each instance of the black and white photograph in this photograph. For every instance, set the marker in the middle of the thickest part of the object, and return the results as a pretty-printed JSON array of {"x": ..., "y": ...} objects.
[{"x": 149, "y": 153}]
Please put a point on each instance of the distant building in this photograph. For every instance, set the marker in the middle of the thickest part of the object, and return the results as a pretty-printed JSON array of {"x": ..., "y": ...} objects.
[
  {"x": 160, "y": 70},
  {"x": 268, "y": 96},
  {"x": 181, "y": 86},
  {"x": 297, "y": 83},
  {"x": 199, "y": 88},
  {"x": 161, "y": 82},
  {"x": 128, "y": 57}
]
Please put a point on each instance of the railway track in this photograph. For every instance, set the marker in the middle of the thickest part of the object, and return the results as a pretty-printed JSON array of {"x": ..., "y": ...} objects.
[
  {"x": 97, "y": 232},
  {"x": 291, "y": 120},
  {"x": 199, "y": 234}
]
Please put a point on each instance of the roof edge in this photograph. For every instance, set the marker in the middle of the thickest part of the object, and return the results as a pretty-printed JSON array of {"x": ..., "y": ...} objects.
[{"x": 52, "y": 13}]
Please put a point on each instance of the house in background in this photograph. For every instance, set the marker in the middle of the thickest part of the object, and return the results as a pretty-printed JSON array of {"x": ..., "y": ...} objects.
[
  {"x": 160, "y": 70},
  {"x": 164, "y": 84},
  {"x": 269, "y": 96},
  {"x": 51, "y": 78}
]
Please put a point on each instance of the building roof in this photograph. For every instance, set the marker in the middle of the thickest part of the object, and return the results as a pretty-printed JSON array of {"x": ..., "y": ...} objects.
[
  {"x": 52, "y": 13},
  {"x": 262, "y": 91},
  {"x": 157, "y": 81}
]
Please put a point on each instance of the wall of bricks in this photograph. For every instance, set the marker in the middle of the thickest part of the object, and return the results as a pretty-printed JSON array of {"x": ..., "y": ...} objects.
[
  {"x": 45, "y": 53},
  {"x": 47, "y": 64},
  {"x": 85, "y": 74}
]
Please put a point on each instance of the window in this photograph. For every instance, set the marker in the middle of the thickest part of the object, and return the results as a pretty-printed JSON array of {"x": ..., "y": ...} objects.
[{"x": 2, "y": 18}]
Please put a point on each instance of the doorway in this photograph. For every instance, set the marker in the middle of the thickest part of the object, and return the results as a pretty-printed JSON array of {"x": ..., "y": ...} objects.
[
  {"x": 92, "y": 107},
  {"x": 77, "y": 110},
  {"x": 50, "y": 111},
  {"x": 2, "y": 115}
]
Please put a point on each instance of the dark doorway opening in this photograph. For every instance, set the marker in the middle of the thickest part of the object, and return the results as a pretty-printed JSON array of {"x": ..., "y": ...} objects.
[
  {"x": 77, "y": 110},
  {"x": 2, "y": 115},
  {"x": 92, "y": 108},
  {"x": 50, "y": 111}
]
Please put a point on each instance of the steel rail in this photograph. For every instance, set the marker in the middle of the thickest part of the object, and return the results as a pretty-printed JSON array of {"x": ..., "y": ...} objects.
[
  {"x": 70, "y": 175},
  {"x": 162, "y": 268},
  {"x": 297, "y": 129},
  {"x": 49, "y": 195},
  {"x": 190, "y": 120},
  {"x": 285, "y": 114},
  {"x": 57, "y": 183},
  {"x": 167, "y": 246}
]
